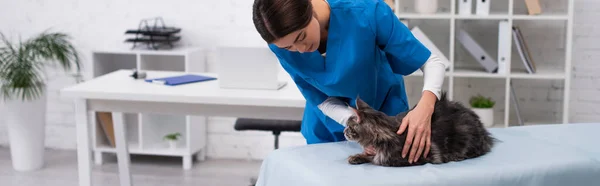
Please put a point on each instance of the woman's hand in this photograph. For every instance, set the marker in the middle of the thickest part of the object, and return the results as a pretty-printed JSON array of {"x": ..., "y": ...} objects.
[{"x": 418, "y": 122}]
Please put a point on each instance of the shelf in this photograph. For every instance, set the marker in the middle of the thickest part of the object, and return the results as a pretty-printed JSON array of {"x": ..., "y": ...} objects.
[
  {"x": 162, "y": 62},
  {"x": 481, "y": 17},
  {"x": 475, "y": 73},
  {"x": 162, "y": 148},
  {"x": 177, "y": 51},
  {"x": 449, "y": 16},
  {"x": 526, "y": 123},
  {"x": 548, "y": 37},
  {"x": 145, "y": 131},
  {"x": 153, "y": 149},
  {"x": 540, "y": 74},
  {"x": 156, "y": 126},
  {"x": 107, "y": 63},
  {"x": 541, "y": 17},
  {"x": 490, "y": 16},
  {"x": 424, "y": 16}
]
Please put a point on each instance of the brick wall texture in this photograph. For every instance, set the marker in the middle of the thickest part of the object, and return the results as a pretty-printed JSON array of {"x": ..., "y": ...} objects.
[{"x": 100, "y": 24}]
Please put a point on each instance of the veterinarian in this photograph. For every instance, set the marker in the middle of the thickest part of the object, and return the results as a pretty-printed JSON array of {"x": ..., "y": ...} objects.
[{"x": 350, "y": 48}]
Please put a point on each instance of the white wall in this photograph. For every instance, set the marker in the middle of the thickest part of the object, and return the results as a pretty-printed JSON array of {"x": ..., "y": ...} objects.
[{"x": 101, "y": 24}]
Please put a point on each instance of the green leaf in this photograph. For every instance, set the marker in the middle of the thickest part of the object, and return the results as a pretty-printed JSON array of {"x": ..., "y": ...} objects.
[
  {"x": 22, "y": 66},
  {"x": 172, "y": 136},
  {"x": 480, "y": 101}
]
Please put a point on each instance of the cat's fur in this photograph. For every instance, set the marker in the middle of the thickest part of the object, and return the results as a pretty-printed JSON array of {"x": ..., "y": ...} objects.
[{"x": 456, "y": 134}]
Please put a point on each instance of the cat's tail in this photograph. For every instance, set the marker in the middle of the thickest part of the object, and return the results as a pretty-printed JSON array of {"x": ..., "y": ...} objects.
[{"x": 488, "y": 140}]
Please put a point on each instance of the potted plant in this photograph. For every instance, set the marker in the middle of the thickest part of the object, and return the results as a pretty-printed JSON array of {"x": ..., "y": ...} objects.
[
  {"x": 23, "y": 89},
  {"x": 484, "y": 108},
  {"x": 172, "y": 139}
]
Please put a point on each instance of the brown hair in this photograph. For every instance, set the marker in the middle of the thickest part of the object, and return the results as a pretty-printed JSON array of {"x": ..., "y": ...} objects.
[{"x": 274, "y": 19}]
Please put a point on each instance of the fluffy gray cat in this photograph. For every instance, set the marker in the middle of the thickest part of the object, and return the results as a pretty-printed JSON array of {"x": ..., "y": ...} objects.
[{"x": 456, "y": 134}]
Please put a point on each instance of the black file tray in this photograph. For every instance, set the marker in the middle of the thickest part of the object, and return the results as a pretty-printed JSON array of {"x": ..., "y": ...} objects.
[
  {"x": 155, "y": 31},
  {"x": 154, "y": 36}
]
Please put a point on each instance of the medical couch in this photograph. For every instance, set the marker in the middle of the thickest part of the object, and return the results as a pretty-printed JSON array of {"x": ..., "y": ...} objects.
[{"x": 541, "y": 155}]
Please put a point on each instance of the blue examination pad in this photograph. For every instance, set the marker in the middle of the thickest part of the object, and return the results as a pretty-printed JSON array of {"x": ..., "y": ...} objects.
[
  {"x": 547, "y": 155},
  {"x": 179, "y": 80}
]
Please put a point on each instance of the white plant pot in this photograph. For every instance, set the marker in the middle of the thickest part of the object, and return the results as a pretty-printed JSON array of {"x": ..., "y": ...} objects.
[
  {"x": 172, "y": 144},
  {"x": 26, "y": 122},
  {"x": 426, "y": 6},
  {"x": 486, "y": 115}
]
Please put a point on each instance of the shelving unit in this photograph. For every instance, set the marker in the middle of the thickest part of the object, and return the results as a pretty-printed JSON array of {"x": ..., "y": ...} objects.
[
  {"x": 145, "y": 131},
  {"x": 484, "y": 29}
]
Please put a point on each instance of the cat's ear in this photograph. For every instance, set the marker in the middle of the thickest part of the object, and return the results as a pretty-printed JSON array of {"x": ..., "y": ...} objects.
[
  {"x": 360, "y": 104},
  {"x": 356, "y": 115}
]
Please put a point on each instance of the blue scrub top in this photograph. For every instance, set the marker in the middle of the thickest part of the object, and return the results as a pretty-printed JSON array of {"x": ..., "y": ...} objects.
[{"x": 368, "y": 49}]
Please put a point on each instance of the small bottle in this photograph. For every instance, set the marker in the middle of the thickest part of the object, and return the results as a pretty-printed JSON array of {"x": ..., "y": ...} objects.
[{"x": 426, "y": 6}]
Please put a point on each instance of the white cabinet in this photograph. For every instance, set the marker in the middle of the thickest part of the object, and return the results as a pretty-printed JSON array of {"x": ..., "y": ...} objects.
[
  {"x": 146, "y": 131},
  {"x": 548, "y": 36}
]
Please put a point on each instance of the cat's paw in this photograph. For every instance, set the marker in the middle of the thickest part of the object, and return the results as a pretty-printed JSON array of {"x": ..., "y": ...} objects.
[{"x": 359, "y": 159}]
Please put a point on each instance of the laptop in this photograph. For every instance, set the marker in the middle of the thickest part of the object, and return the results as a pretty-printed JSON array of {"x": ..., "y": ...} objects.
[{"x": 248, "y": 68}]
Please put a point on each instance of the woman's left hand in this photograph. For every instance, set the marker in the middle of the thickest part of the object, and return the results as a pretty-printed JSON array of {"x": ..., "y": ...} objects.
[{"x": 418, "y": 122}]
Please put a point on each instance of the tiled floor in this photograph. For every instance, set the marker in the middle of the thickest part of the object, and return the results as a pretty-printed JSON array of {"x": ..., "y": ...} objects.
[{"x": 61, "y": 170}]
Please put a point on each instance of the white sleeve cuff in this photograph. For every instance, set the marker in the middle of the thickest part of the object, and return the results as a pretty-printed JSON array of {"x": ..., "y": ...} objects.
[
  {"x": 434, "y": 72},
  {"x": 337, "y": 110}
]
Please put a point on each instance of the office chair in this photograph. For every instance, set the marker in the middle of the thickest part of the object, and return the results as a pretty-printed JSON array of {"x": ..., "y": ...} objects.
[{"x": 274, "y": 126}]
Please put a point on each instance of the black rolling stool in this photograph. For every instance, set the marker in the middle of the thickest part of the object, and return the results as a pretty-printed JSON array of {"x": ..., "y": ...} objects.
[{"x": 275, "y": 126}]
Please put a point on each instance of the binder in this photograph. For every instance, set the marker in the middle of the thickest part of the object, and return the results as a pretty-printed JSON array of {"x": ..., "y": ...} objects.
[
  {"x": 420, "y": 35},
  {"x": 523, "y": 50},
  {"x": 483, "y": 7},
  {"x": 180, "y": 80},
  {"x": 106, "y": 122},
  {"x": 533, "y": 7},
  {"x": 504, "y": 48},
  {"x": 465, "y": 7},
  {"x": 477, "y": 52}
]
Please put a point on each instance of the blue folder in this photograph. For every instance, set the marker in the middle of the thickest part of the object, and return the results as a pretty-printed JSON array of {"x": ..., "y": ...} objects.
[{"x": 179, "y": 80}]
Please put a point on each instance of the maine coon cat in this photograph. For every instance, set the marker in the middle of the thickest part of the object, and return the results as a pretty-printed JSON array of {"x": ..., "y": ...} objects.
[{"x": 456, "y": 134}]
